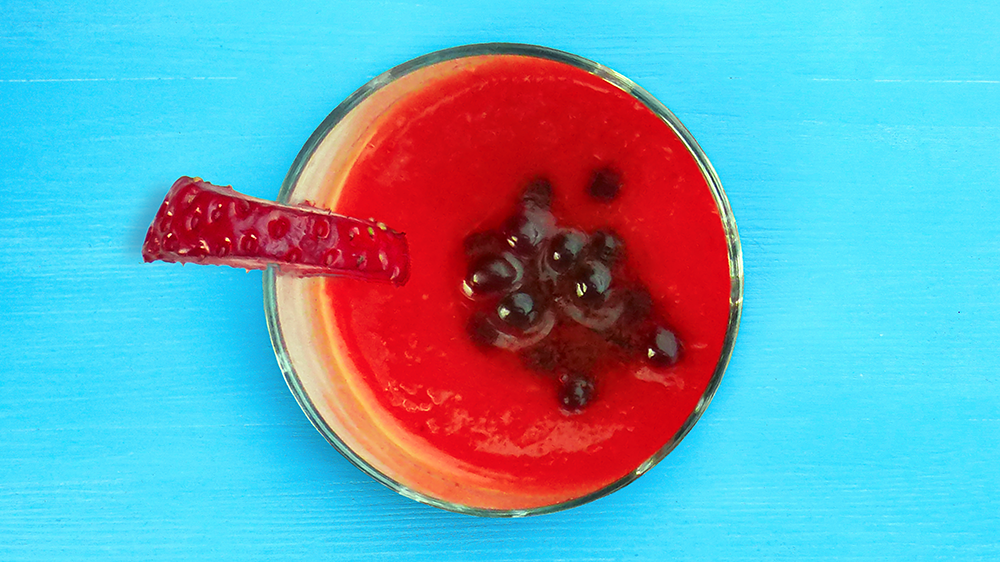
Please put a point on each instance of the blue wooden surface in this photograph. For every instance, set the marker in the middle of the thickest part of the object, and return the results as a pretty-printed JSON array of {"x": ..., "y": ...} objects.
[{"x": 143, "y": 416}]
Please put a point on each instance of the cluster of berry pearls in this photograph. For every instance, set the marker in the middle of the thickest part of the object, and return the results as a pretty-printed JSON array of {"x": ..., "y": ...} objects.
[{"x": 540, "y": 286}]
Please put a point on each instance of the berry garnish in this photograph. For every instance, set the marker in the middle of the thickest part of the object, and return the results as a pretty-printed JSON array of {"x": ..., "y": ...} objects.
[
  {"x": 591, "y": 283},
  {"x": 605, "y": 246},
  {"x": 605, "y": 184},
  {"x": 564, "y": 248},
  {"x": 538, "y": 195},
  {"x": 575, "y": 392},
  {"x": 492, "y": 275},
  {"x": 519, "y": 310},
  {"x": 662, "y": 349},
  {"x": 599, "y": 317},
  {"x": 551, "y": 296},
  {"x": 203, "y": 223},
  {"x": 526, "y": 231},
  {"x": 479, "y": 243},
  {"x": 491, "y": 331}
]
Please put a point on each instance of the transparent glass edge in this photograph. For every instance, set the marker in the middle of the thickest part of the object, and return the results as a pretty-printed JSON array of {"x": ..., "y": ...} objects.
[{"x": 722, "y": 203}]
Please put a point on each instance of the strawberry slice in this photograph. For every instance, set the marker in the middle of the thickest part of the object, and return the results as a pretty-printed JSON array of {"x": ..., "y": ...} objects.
[{"x": 210, "y": 224}]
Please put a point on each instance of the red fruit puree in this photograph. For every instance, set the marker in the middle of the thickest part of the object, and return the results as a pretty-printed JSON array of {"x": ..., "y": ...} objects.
[{"x": 470, "y": 424}]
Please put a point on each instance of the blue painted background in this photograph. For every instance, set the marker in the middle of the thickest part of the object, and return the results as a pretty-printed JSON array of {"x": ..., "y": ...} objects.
[{"x": 143, "y": 416}]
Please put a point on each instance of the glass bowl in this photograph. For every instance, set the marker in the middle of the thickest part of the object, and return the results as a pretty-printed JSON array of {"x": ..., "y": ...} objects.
[{"x": 339, "y": 406}]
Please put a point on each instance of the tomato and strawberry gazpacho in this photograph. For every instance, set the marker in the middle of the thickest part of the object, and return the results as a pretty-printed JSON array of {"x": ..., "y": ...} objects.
[{"x": 573, "y": 295}]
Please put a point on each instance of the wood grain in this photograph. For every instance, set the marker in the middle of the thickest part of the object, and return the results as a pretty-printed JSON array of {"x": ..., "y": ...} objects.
[{"x": 142, "y": 414}]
